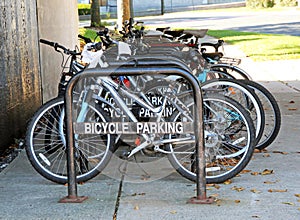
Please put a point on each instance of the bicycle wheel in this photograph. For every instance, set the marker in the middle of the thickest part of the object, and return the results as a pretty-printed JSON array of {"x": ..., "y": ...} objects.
[
  {"x": 272, "y": 114},
  {"x": 242, "y": 94},
  {"x": 229, "y": 141},
  {"x": 46, "y": 145},
  {"x": 231, "y": 71}
]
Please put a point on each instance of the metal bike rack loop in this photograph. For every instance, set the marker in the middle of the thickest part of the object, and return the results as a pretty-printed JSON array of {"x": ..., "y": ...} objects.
[{"x": 131, "y": 70}]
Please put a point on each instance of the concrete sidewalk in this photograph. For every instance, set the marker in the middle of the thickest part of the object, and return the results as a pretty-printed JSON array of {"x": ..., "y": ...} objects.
[{"x": 251, "y": 195}]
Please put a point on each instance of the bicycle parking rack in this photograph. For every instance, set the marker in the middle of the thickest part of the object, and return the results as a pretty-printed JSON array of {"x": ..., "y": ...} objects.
[{"x": 139, "y": 66}]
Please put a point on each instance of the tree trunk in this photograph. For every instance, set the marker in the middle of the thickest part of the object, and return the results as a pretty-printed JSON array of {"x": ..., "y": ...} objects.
[
  {"x": 123, "y": 12},
  {"x": 126, "y": 10},
  {"x": 95, "y": 13}
]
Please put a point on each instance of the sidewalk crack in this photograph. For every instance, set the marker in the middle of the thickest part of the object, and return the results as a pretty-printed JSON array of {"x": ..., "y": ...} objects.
[
  {"x": 290, "y": 86},
  {"x": 119, "y": 192}
]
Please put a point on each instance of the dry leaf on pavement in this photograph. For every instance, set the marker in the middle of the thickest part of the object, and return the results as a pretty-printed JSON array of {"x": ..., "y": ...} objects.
[
  {"x": 270, "y": 182},
  {"x": 280, "y": 152},
  {"x": 277, "y": 190},
  {"x": 255, "y": 191},
  {"x": 267, "y": 172},
  {"x": 288, "y": 203},
  {"x": 245, "y": 171},
  {"x": 227, "y": 182},
  {"x": 254, "y": 173},
  {"x": 239, "y": 189}
]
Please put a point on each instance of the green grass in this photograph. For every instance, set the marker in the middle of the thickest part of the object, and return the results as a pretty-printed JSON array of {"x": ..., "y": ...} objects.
[
  {"x": 89, "y": 33},
  {"x": 259, "y": 47},
  {"x": 262, "y": 47}
]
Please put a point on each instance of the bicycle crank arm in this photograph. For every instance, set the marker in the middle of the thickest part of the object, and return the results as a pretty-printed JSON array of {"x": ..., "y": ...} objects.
[{"x": 140, "y": 147}]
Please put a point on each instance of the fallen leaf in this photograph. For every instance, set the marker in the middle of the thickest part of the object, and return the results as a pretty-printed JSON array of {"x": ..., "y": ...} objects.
[
  {"x": 288, "y": 203},
  {"x": 255, "y": 216},
  {"x": 227, "y": 182},
  {"x": 266, "y": 155},
  {"x": 267, "y": 172},
  {"x": 237, "y": 201},
  {"x": 214, "y": 195},
  {"x": 245, "y": 171},
  {"x": 299, "y": 209},
  {"x": 217, "y": 186},
  {"x": 292, "y": 109},
  {"x": 257, "y": 151},
  {"x": 280, "y": 152},
  {"x": 269, "y": 182},
  {"x": 173, "y": 212},
  {"x": 218, "y": 202},
  {"x": 239, "y": 189},
  {"x": 138, "y": 194},
  {"x": 277, "y": 190},
  {"x": 297, "y": 195},
  {"x": 254, "y": 173},
  {"x": 255, "y": 191},
  {"x": 136, "y": 207}
]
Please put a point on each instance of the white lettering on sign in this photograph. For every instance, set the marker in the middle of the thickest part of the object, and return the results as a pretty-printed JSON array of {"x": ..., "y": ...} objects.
[
  {"x": 133, "y": 128},
  {"x": 105, "y": 128}
]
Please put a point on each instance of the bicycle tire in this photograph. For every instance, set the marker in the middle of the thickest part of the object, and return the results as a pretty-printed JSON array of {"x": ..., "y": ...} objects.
[
  {"x": 218, "y": 168},
  {"x": 231, "y": 70},
  {"x": 242, "y": 94},
  {"x": 272, "y": 114},
  {"x": 46, "y": 149}
]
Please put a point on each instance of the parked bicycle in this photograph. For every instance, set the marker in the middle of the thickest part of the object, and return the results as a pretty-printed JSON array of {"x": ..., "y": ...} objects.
[{"x": 49, "y": 158}]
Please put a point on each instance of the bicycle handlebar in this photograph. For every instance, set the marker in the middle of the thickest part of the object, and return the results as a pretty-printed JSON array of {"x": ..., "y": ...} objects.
[
  {"x": 43, "y": 41},
  {"x": 86, "y": 39},
  {"x": 56, "y": 46}
]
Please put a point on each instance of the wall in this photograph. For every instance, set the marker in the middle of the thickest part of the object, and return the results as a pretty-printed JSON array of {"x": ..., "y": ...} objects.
[
  {"x": 19, "y": 64},
  {"x": 28, "y": 77},
  {"x": 58, "y": 22}
]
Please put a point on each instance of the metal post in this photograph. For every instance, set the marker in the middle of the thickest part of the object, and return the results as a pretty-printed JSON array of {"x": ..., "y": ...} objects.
[
  {"x": 127, "y": 70},
  {"x": 162, "y": 9},
  {"x": 71, "y": 168}
]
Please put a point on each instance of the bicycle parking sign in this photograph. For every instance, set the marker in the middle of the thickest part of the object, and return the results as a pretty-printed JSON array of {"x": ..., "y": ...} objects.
[{"x": 133, "y": 128}]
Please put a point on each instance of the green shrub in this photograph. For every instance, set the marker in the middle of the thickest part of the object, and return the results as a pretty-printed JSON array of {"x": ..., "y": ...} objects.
[
  {"x": 260, "y": 3},
  {"x": 286, "y": 3},
  {"x": 84, "y": 9},
  {"x": 270, "y": 3}
]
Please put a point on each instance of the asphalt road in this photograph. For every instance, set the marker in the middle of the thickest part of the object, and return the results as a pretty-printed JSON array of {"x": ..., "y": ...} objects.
[{"x": 285, "y": 21}]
